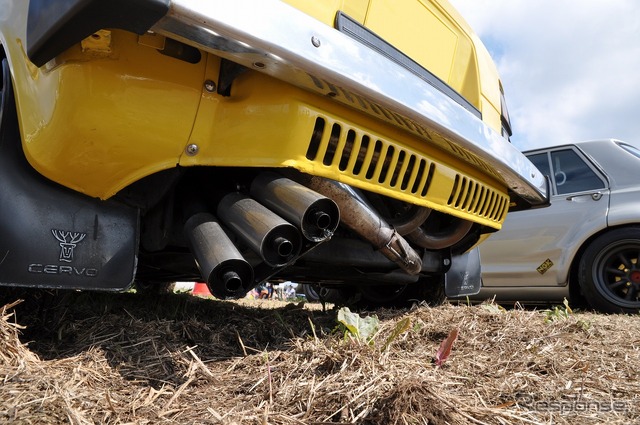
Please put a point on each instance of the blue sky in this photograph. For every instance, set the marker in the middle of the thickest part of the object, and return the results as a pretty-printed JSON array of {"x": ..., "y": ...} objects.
[{"x": 570, "y": 69}]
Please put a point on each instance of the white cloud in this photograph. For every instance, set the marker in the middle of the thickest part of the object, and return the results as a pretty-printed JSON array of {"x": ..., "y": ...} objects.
[{"x": 570, "y": 69}]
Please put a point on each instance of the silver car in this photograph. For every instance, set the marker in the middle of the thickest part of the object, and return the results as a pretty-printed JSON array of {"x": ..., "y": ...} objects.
[{"x": 586, "y": 244}]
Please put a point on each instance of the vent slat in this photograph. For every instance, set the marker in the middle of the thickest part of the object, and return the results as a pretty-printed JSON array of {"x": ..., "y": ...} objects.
[
  {"x": 366, "y": 163},
  {"x": 383, "y": 162},
  {"x": 403, "y": 170},
  {"x": 382, "y": 170},
  {"x": 418, "y": 178},
  {"x": 353, "y": 158},
  {"x": 462, "y": 192},
  {"x": 424, "y": 189}
]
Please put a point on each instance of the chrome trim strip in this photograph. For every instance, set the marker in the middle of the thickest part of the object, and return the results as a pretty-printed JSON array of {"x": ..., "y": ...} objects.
[{"x": 281, "y": 41}]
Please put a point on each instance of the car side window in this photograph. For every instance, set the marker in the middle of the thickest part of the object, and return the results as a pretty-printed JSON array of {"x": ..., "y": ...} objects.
[
  {"x": 541, "y": 161},
  {"x": 572, "y": 174}
]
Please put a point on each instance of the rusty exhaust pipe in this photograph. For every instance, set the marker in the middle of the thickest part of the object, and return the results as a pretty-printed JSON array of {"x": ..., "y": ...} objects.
[
  {"x": 443, "y": 239},
  {"x": 359, "y": 216},
  {"x": 317, "y": 216},
  {"x": 411, "y": 228},
  {"x": 274, "y": 239},
  {"x": 226, "y": 272}
]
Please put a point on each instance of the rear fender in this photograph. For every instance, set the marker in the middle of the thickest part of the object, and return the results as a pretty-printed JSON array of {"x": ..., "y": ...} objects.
[{"x": 51, "y": 237}]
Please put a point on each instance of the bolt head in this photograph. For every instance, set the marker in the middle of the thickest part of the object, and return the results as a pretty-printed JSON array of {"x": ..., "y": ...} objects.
[
  {"x": 192, "y": 149},
  {"x": 210, "y": 86},
  {"x": 315, "y": 41}
]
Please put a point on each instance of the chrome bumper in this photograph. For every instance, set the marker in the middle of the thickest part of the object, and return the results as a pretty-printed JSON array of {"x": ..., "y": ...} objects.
[{"x": 272, "y": 37}]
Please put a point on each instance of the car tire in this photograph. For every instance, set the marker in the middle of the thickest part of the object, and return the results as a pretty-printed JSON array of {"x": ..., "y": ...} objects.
[
  {"x": 316, "y": 293},
  {"x": 311, "y": 293},
  {"x": 154, "y": 288},
  {"x": 609, "y": 271}
]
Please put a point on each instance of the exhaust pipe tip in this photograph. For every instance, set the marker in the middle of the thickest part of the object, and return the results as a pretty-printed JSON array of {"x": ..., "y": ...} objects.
[
  {"x": 316, "y": 215},
  {"x": 277, "y": 241},
  {"x": 280, "y": 245},
  {"x": 283, "y": 247},
  {"x": 226, "y": 272},
  {"x": 232, "y": 279},
  {"x": 319, "y": 219}
]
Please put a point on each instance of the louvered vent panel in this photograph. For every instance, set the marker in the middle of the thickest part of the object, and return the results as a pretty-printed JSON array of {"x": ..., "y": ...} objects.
[
  {"x": 475, "y": 198},
  {"x": 366, "y": 157}
]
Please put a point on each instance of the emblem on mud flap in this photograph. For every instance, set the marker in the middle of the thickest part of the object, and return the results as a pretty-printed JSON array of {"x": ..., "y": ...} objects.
[{"x": 68, "y": 242}]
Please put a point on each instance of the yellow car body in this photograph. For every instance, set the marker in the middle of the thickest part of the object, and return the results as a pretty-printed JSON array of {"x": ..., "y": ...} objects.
[{"x": 334, "y": 89}]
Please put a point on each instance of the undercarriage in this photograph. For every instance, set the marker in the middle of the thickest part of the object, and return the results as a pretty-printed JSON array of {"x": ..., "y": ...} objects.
[{"x": 231, "y": 228}]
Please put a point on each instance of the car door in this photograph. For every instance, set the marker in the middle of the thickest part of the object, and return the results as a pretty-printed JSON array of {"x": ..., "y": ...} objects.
[{"x": 535, "y": 247}]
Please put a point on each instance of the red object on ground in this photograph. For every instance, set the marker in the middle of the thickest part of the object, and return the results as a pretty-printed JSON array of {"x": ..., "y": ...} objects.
[{"x": 201, "y": 289}]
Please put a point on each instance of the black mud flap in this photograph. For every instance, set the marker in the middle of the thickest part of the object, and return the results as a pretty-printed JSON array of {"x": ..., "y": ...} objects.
[
  {"x": 463, "y": 278},
  {"x": 55, "y": 25},
  {"x": 52, "y": 237}
]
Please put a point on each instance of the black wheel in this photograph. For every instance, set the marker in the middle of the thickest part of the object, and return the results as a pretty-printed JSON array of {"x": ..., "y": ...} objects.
[
  {"x": 310, "y": 293},
  {"x": 316, "y": 293},
  {"x": 609, "y": 272},
  {"x": 154, "y": 288},
  {"x": 428, "y": 290}
]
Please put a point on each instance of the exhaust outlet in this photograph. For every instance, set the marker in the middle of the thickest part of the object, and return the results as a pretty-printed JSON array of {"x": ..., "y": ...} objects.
[
  {"x": 277, "y": 241},
  {"x": 317, "y": 216},
  {"x": 359, "y": 216},
  {"x": 226, "y": 272}
]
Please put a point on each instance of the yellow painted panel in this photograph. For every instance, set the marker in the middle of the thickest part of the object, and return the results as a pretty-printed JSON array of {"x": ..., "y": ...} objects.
[
  {"x": 442, "y": 43},
  {"x": 432, "y": 42},
  {"x": 125, "y": 116},
  {"x": 267, "y": 123}
]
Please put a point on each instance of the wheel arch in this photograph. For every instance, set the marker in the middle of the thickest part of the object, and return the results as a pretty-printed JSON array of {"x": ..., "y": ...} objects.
[
  {"x": 573, "y": 281},
  {"x": 6, "y": 81},
  {"x": 3, "y": 78},
  {"x": 5, "y": 53}
]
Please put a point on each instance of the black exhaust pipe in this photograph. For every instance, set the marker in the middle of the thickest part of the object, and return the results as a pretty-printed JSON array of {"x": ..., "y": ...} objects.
[
  {"x": 226, "y": 272},
  {"x": 317, "y": 216},
  {"x": 277, "y": 241}
]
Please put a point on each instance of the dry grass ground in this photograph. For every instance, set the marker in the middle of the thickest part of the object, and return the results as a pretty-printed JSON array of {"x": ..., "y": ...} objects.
[{"x": 128, "y": 359}]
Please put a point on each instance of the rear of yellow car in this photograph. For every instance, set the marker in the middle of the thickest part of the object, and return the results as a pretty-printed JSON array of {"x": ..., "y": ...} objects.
[{"x": 348, "y": 144}]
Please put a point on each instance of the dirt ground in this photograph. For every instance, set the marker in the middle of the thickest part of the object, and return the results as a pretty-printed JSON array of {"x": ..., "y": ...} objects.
[{"x": 85, "y": 358}]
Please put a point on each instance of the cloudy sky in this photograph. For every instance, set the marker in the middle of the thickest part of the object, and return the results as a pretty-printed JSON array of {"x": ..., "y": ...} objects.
[{"x": 571, "y": 69}]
